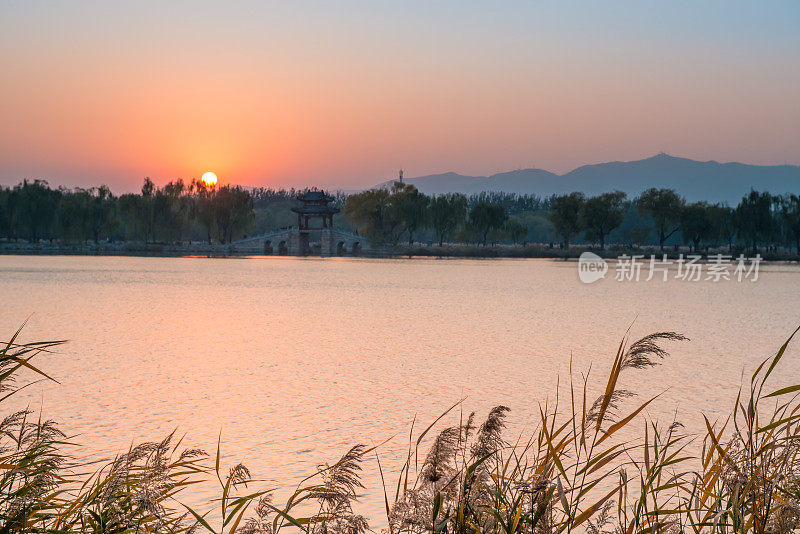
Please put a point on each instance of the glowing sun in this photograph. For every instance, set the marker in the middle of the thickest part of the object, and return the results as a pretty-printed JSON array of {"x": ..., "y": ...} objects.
[{"x": 210, "y": 179}]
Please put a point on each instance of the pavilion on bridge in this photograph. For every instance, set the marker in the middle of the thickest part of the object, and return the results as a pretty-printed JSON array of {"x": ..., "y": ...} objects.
[
  {"x": 315, "y": 208},
  {"x": 314, "y": 233}
]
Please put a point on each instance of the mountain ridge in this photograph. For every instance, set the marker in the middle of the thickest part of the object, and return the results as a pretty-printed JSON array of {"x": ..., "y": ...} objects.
[{"x": 696, "y": 180}]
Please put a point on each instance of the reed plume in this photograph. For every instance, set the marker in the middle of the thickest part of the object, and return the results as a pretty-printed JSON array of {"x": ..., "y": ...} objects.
[{"x": 583, "y": 468}]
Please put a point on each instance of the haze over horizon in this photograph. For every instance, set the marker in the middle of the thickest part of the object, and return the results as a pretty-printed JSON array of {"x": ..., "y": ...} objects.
[{"x": 342, "y": 96}]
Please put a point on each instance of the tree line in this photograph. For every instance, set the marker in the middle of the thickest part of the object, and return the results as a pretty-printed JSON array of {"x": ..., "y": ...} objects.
[
  {"x": 654, "y": 217},
  {"x": 760, "y": 219},
  {"x": 179, "y": 212},
  {"x": 402, "y": 212}
]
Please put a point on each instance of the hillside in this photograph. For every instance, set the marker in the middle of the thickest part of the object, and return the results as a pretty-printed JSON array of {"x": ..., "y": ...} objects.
[{"x": 696, "y": 180}]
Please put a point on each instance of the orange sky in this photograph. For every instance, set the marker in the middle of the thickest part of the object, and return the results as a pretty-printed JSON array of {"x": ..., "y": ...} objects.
[{"x": 343, "y": 95}]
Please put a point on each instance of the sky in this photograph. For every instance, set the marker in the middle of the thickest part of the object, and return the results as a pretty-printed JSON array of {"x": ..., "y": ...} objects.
[{"x": 344, "y": 94}]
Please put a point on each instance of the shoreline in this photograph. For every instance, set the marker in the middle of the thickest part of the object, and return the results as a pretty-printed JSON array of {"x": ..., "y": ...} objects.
[{"x": 530, "y": 251}]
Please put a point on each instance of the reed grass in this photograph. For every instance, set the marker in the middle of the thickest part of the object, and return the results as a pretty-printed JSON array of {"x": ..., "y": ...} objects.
[{"x": 583, "y": 468}]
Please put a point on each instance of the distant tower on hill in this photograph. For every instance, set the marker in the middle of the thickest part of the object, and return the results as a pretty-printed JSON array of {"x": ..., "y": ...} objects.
[{"x": 401, "y": 176}]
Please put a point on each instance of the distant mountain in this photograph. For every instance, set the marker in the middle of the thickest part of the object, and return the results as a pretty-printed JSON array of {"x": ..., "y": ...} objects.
[{"x": 695, "y": 180}]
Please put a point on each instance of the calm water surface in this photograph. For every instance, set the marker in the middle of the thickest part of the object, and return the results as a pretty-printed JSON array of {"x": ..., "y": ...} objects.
[{"x": 296, "y": 360}]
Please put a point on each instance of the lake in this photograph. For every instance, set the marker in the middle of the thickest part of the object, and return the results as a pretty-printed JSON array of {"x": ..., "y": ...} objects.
[{"x": 295, "y": 360}]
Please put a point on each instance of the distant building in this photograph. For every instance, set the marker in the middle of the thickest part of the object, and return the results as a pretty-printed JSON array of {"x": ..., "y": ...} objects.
[
  {"x": 313, "y": 235},
  {"x": 315, "y": 205}
]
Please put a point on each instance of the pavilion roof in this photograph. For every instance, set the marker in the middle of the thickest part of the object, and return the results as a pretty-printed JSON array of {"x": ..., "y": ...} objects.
[
  {"x": 315, "y": 196},
  {"x": 315, "y": 209}
]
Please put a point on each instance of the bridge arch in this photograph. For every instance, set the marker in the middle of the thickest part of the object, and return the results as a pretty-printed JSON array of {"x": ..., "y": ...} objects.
[{"x": 286, "y": 241}]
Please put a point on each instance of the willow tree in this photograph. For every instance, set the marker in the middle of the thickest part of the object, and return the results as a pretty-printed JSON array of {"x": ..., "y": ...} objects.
[
  {"x": 411, "y": 206},
  {"x": 485, "y": 217},
  {"x": 601, "y": 214},
  {"x": 446, "y": 213},
  {"x": 696, "y": 225},
  {"x": 385, "y": 214},
  {"x": 565, "y": 211},
  {"x": 754, "y": 220},
  {"x": 665, "y": 207}
]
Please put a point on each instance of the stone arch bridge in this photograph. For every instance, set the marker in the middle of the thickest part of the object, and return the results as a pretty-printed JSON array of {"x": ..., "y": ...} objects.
[{"x": 295, "y": 241}]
